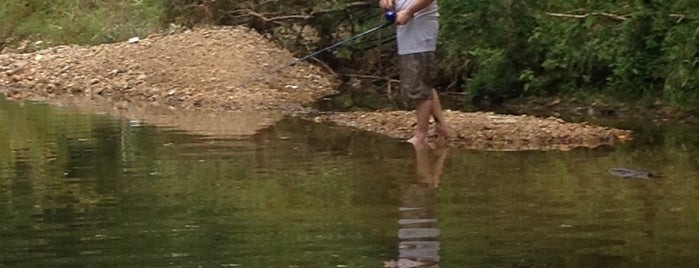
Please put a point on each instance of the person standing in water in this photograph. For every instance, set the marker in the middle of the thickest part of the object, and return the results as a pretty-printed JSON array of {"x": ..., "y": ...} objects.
[{"x": 416, "y": 34}]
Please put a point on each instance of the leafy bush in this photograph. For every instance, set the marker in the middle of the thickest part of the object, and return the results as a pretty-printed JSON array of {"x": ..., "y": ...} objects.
[{"x": 629, "y": 49}]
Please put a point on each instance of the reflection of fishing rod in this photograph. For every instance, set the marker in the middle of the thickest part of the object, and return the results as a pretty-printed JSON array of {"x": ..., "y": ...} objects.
[{"x": 390, "y": 19}]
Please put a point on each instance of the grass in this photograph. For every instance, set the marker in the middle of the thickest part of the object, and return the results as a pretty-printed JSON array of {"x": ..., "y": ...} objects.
[{"x": 77, "y": 21}]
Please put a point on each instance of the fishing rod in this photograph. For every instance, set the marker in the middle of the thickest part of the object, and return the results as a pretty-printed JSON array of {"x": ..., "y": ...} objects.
[{"x": 390, "y": 16}]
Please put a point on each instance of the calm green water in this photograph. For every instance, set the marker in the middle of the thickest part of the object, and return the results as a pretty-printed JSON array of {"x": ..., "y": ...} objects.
[{"x": 94, "y": 191}]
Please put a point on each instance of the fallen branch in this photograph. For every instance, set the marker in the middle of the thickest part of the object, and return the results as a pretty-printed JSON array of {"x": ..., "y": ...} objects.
[
  {"x": 276, "y": 19},
  {"x": 605, "y": 14},
  {"x": 583, "y": 16},
  {"x": 387, "y": 79},
  {"x": 264, "y": 17},
  {"x": 679, "y": 17},
  {"x": 325, "y": 65}
]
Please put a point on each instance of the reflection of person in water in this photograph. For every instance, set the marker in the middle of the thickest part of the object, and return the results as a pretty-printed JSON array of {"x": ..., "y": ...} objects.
[
  {"x": 418, "y": 233},
  {"x": 428, "y": 172}
]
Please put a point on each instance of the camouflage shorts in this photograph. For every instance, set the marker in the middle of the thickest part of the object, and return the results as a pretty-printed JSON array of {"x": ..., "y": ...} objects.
[{"x": 416, "y": 75}]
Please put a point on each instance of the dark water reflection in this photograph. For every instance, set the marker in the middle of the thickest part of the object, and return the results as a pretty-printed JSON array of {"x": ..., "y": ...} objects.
[{"x": 94, "y": 191}]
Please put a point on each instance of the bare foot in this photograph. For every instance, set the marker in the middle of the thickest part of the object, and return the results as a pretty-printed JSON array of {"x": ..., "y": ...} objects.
[
  {"x": 441, "y": 130},
  {"x": 418, "y": 140}
]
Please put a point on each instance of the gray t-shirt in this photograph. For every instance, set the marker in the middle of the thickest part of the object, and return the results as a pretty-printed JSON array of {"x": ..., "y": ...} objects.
[{"x": 420, "y": 34}]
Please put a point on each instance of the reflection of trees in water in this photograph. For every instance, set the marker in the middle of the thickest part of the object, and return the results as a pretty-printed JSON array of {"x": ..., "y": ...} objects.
[{"x": 418, "y": 233}]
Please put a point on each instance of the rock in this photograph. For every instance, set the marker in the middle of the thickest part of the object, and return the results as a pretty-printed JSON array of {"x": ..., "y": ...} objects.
[{"x": 630, "y": 173}]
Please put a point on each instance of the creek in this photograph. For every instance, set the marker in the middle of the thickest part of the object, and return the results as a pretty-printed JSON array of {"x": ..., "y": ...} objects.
[{"x": 86, "y": 190}]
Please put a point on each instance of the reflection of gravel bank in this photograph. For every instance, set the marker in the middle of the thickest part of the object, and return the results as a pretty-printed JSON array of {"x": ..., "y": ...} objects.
[
  {"x": 203, "y": 70},
  {"x": 194, "y": 121}
]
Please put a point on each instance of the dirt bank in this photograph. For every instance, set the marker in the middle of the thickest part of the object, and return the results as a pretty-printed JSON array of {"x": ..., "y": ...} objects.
[
  {"x": 202, "y": 68},
  {"x": 218, "y": 70}
]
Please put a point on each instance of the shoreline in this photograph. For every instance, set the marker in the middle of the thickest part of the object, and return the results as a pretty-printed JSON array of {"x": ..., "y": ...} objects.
[{"x": 197, "y": 71}]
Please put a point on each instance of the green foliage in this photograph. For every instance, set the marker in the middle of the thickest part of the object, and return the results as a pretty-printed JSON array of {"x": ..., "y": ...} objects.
[
  {"x": 491, "y": 36},
  {"x": 76, "y": 21},
  {"x": 629, "y": 49}
]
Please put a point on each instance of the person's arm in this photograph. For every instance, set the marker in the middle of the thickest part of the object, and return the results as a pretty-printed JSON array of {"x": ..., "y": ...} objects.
[{"x": 405, "y": 15}]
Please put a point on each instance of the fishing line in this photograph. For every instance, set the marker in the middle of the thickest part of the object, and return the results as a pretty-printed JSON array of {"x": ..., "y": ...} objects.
[{"x": 390, "y": 19}]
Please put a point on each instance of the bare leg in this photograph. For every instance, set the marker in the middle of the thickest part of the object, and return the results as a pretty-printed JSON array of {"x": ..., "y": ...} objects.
[
  {"x": 423, "y": 110},
  {"x": 438, "y": 165},
  {"x": 440, "y": 123}
]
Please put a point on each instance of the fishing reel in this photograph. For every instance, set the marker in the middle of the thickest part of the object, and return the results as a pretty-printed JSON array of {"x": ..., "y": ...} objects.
[{"x": 390, "y": 16}]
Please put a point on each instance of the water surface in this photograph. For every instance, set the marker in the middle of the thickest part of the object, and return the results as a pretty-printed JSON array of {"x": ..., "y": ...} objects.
[{"x": 82, "y": 190}]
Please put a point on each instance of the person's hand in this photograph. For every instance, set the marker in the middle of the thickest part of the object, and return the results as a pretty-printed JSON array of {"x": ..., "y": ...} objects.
[
  {"x": 386, "y": 4},
  {"x": 403, "y": 17}
]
